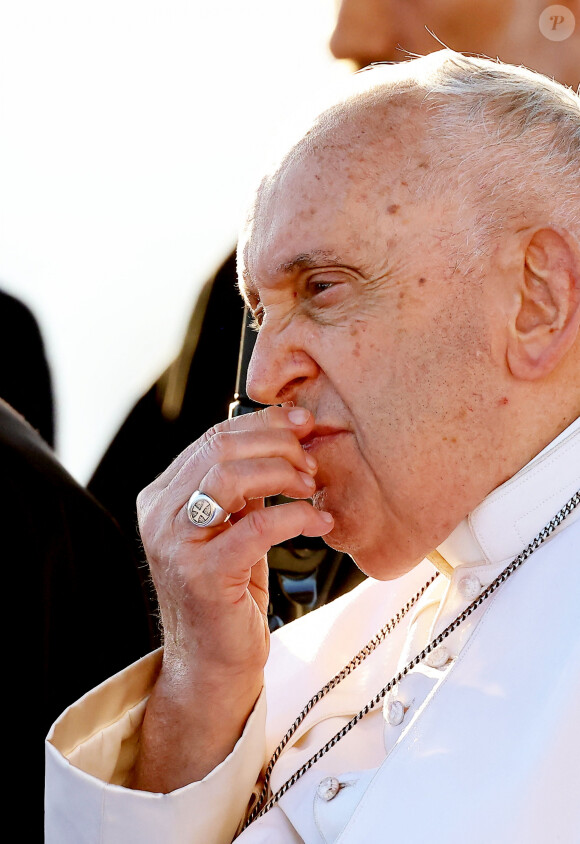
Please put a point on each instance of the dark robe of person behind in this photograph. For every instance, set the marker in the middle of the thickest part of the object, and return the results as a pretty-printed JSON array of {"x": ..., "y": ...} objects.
[
  {"x": 25, "y": 378},
  {"x": 74, "y": 611}
]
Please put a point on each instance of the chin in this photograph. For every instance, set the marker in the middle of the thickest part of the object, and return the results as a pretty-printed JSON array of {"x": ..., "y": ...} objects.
[
  {"x": 350, "y": 536},
  {"x": 376, "y": 556},
  {"x": 342, "y": 537}
]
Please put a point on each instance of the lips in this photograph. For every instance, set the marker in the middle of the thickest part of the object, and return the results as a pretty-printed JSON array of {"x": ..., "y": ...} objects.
[{"x": 320, "y": 435}]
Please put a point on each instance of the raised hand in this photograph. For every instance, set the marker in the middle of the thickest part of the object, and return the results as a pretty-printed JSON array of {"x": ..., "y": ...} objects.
[{"x": 212, "y": 584}]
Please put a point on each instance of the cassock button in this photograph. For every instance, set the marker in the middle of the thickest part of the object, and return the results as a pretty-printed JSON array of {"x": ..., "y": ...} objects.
[
  {"x": 394, "y": 712},
  {"x": 469, "y": 587},
  {"x": 328, "y": 788},
  {"x": 437, "y": 658}
]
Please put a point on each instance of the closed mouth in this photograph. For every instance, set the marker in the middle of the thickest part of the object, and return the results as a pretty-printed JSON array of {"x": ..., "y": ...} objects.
[{"x": 321, "y": 434}]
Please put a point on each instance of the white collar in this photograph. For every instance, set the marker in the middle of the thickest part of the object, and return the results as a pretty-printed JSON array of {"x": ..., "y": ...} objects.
[{"x": 513, "y": 514}]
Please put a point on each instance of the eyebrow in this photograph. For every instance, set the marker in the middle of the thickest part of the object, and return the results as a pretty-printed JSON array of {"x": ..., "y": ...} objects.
[
  {"x": 307, "y": 260},
  {"x": 302, "y": 261}
]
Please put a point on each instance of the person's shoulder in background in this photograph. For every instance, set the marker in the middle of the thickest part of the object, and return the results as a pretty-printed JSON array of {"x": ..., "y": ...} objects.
[
  {"x": 61, "y": 545},
  {"x": 25, "y": 379},
  {"x": 73, "y": 610}
]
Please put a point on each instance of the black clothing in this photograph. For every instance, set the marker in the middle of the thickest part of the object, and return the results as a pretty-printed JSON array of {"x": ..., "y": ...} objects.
[
  {"x": 25, "y": 381},
  {"x": 64, "y": 562}
]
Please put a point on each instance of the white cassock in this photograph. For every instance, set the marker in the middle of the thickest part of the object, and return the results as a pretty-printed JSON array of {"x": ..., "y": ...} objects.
[{"x": 480, "y": 742}]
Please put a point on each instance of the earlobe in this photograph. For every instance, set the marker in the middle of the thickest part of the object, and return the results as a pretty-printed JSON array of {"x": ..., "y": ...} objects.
[{"x": 547, "y": 318}]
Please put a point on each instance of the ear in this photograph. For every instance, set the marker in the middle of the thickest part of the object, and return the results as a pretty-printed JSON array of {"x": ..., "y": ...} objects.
[{"x": 546, "y": 320}]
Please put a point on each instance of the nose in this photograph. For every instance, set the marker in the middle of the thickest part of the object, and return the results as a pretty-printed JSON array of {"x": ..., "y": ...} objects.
[
  {"x": 279, "y": 368},
  {"x": 364, "y": 32}
]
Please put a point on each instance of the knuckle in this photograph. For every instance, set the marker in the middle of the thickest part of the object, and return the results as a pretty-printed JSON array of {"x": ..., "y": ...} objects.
[
  {"x": 145, "y": 501},
  {"x": 221, "y": 444},
  {"x": 258, "y": 521},
  {"x": 268, "y": 415},
  {"x": 219, "y": 475},
  {"x": 205, "y": 439},
  {"x": 218, "y": 447},
  {"x": 212, "y": 432},
  {"x": 142, "y": 499}
]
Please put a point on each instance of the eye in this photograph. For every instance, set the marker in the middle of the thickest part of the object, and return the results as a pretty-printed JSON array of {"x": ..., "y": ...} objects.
[
  {"x": 326, "y": 295},
  {"x": 321, "y": 283},
  {"x": 316, "y": 286},
  {"x": 324, "y": 289}
]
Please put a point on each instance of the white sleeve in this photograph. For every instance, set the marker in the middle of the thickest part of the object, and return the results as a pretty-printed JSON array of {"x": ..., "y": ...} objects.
[{"x": 91, "y": 749}]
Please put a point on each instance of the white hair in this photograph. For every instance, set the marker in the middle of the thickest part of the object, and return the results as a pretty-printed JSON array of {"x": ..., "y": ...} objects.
[
  {"x": 505, "y": 136},
  {"x": 503, "y": 139}
]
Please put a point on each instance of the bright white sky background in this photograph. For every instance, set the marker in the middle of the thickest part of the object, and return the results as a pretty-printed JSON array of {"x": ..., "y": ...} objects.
[{"x": 130, "y": 134}]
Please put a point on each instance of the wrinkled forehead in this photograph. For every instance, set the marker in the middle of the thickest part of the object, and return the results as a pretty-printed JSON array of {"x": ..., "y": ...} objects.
[
  {"x": 297, "y": 220},
  {"x": 331, "y": 182},
  {"x": 290, "y": 212}
]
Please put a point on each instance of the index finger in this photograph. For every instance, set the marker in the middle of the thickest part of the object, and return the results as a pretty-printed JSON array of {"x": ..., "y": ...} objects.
[{"x": 297, "y": 419}]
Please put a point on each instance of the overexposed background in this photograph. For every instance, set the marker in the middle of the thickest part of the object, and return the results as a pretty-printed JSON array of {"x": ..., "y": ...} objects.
[{"x": 131, "y": 132}]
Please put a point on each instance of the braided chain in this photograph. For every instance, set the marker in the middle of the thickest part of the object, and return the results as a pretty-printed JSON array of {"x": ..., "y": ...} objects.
[
  {"x": 348, "y": 669},
  {"x": 260, "y": 810}
]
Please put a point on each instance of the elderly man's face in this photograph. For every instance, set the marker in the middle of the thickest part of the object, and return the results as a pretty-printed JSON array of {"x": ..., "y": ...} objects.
[{"x": 369, "y": 319}]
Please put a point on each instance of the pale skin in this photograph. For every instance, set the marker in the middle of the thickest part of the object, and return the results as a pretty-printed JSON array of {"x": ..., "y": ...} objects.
[
  {"x": 396, "y": 384},
  {"x": 212, "y": 586}
]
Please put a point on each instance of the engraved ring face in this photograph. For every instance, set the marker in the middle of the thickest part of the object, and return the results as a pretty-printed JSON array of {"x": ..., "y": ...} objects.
[{"x": 203, "y": 511}]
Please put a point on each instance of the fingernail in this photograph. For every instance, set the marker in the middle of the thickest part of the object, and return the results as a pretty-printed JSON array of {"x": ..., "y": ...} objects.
[
  {"x": 310, "y": 461},
  {"x": 298, "y": 416},
  {"x": 326, "y": 516},
  {"x": 308, "y": 479}
]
